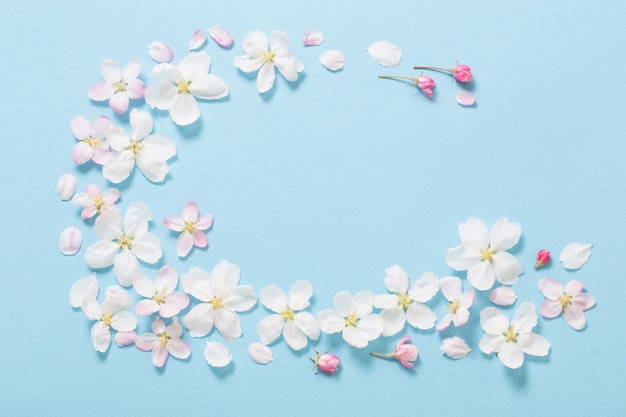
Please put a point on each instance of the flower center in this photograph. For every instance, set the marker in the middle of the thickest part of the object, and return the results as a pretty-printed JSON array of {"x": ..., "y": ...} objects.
[
  {"x": 189, "y": 228},
  {"x": 163, "y": 338},
  {"x": 119, "y": 86},
  {"x": 404, "y": 301},
  {"x": 160, "y": 297},
  {"x": 267, "y": 56},
  {"x": 351, "y": 320},
  {"x": 510, "y": 335},
  {"x": 91, "y": 141},
  {"x": 287, "y": 313},
  {"x": 487, "y": 254},
  {"x": 183, "y": 87},
  {"x": 106, "y": 318},
  {"x": 454, "y": 306},
  {"x": 98, "y": 202},
  {"x": 565, "y": 300},
  {"x": 125, "y": 241},
  {"x": 216, "y": 302},
  {"x": 135, "y": 146}
]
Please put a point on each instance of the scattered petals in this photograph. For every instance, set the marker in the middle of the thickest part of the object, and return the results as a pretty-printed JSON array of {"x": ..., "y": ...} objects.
[
  {"x": 221, "y": 36},
  {"x": 197, "y": 40},
  {"x": 455, "y": 347},
  {"x": 385, "y": 53},
  {"x": 85, "y": 287},
  {"x": 333, "y": 60},
  {"x": 217, "y": 354},
  {"x": 312, "y": 38},
  {"x": 260, "y": 353},
  {"x": 160, "y": 52},
  {"x": 70, "y": 241},
  {"x": 326, "y": 362},
  {"x": 502, "y": 296},
  {"x": 66, "y": 186},
  {"x": 465, "y": 98},
  {"x": 575, "y": 255}
]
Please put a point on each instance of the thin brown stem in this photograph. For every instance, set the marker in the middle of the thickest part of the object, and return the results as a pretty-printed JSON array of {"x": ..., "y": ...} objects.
[{"x": 434, "y": 68}]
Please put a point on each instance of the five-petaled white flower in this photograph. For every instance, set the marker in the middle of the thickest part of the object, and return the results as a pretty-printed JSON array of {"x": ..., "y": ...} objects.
[
  {"x": 295, "y": 325},
  {"x": 353, "y": 318},
  {"x": 91, "y": 144},
  {"x": 119, "y": 85},
  {"x": 160, "y": 294},
  {"x": 93, "y": 201},
  {"x": 482, "y": 253},
  {"x": 150, "y": 152},
  {"x": 258, "y": 56},
  {"x": 571, "y": 301},
  {"x": 190, "y": 227},
  {"x": 111, "y": 314},
  {"x": 511, "y": 340},
  {"x": 221, "y": 298},
  {"x": 177, "y": 87},
  {"x": 164, "y": 341},
  {"x": 123, "y": 241},
  {"x": 459, "y": 302},
  {"x": 406, "y": 303}
]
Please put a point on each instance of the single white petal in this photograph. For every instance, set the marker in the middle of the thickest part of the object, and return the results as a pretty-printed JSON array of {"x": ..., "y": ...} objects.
[
  {"x": 116, "y": 298},
  {"x": 493, "y": 321},
  {"x": 307, "y": 323},
  {"x": 265, "y": 77},
  {"x": 248, "y": 64},
  {"x": 124, "y": 321},
  {"x": 551, "y": 288},
  {"x": 289, "y": 66},
  {"x": 295, "y": 338},
  {"x": 100, "y": 336},
  {"x": 363, "y": 303},
  {"x": 502, "y": 296},
  {"x": 161, "y": 95},
  {"x": 194, "y": 282},
  {"x": 454, "y": 347},
  {"x": 504, "y": 234},
  {"x": 385, "y": 301},
  {"x": 70, "y": 241},
  {"x": 385, "y": 53},
  {"x": 66, "y": 186},
  {"x": 330, "y": 321},
  {"x": 354, "y": 337},
  {"x": 240, "y": 298},
  {"x": 474, "y": 233},
  {"x": 343, "y": 303},
  {"x": 463, "y": 257},
  {"x": 143, "y": 285},
  {"x": 420, "y": 316},
  {"x": 85, "y": 287},
  {"x": 575, "y": 255},
  {"x": 511, "y": 355},
  {"x": 525, "y": 318},
  {"x": 370, "y": 327},
  {"x": 575, "y": 317},
  {"x": 299, "y": 294},
  {"x": 194, "y": 65},
  {"x": 118, "y": 166},
  {"x": 228, "y": 324},
  {"x": 482, "y": 275},
  {"x": 124, "y": 266},
  {"x": 217, "y": 354},
  {"x": 160, "y": 145},
  {"x": 396, "y": 281},
  {"x": 260, "y": 353},
  {"x": 197, "y": 40},
  {"x": 147, "y": 247},
  {"x": 270, "y": 328},
  {"x": 491, "y": 343},
  {"x": 101, "y": 254},
  {"x": 312, "y": 37},
  {"x": 184, "y": 110},
  {"x": 199, "y": 321},
  {"x": 445, "y": 321},
  {"x": 533, "y": 344},
  {"x": 160, "y": 52},
  {"x": 393, "y": 320},
  {"x": 451, "y": 288},
  {"x": 425, "y": 288},
  {"x": 465, "y": 98},
  {"x": 91, "y": 309},
  {"x": 152, "y": 165},
  {"x": 208, "y": 87}
]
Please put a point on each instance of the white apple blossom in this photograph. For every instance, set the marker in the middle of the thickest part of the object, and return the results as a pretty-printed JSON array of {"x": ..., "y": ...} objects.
[
  {"x": 295, "y": 325},
  {"x": 150, "y": 152},
  {"x": 511, "y": 340},
  {"x": 353, "y": 318},
  {"x": 263, "y": 58},
  {"x": 93, "y": 201},
  {"x": 178, "y": 86},
  {"x": 570, "y": 301},
  {"x": 160, "y": 294},
  {"x": 119, "y": 86},
  {"x": 459, "y": 302},
  {"x": 483, "y": 255},
  {"x": 190, "y": 227},
  {"x": 406, "y": 303},
  {"x": 92, "y": 144},
  {"x": 123, "y": 241},
  {"x": 221, "y": 298},
  {"x": 164, "y": 341}
]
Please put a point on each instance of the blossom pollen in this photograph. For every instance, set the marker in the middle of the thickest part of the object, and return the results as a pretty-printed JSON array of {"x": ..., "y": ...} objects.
[
  {"x": 216, "y": 302},
  {"x": 267, "y": 56},
  {"x": 125, "y": 242},
  {"x": 487, "y": 255},
  {"x": 404, "y": 301},
  {"x": 98, "y": 202},
  {"x": 135, "y": 146},
  {"x": 183, "y": 87},
  {"x": 287, "y": 313},
  {"x": 91, "y": 141},
  {"x": 120, "y": 86},
  {"x": 565, "y": 300},
  {"x": 454, "y": 306},
  {"x": 189, "y": 228},
  {"x": 351, "y": 320},
  {"x": 106, "y": 318},
  {"x": 163, "y": 338},
  {"x": 161, "y": 297},
  {"x": 510, "y": 335}
]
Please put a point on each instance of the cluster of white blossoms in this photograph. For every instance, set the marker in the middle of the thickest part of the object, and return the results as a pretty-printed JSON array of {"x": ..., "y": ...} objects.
[{"x": 194, "y": 303}]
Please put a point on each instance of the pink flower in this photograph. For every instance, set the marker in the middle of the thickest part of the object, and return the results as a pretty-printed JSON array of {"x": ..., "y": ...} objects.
[
  {"x": 404, "y": 353},
  {"x": 542, "y": 258},
  {"x": 459, "y": 302},
  {"x": 119, "y": 85},
  {"x": 426, "y": 84},
  {"x": 571, "y": 301},
  {"x": 159, "y": 294},
  {"x": 326, "y": 362},
  {"x": 91, "y": 144},
  {"x": 95, "y": 202},
  {"x": 190, "y": 227},
  {"x": 462, "y": 73},
  {"x": 164, "y": 341}
]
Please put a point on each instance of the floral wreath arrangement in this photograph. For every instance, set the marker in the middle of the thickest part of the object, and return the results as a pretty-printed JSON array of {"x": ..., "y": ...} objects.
[{"x": 213, "y": 299}]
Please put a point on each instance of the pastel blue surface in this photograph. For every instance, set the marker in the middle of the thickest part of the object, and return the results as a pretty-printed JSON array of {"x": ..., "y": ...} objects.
[{"x": 332, "y": 179}]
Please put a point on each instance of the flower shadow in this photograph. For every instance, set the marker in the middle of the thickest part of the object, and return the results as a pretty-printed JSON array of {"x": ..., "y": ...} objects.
[{"x": 224, "y": 371}]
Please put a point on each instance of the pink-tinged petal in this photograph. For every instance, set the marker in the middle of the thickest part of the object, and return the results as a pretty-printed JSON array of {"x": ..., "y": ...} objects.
[
  {"x": 111, "y": 71},
  {"x": 273, "y": 298},
  {"x": 160, "y": 52},
  {"x": 330, "y": 321},
  {"x": 333, "y": 60},
  {"x": 124, "y": 321},
  {"x": 184, "y": 244},
  {"x": 241, "y": 298},
  {"x": 574, "y": 288},
  {"x": 385, "y": 53},
  {"x": 511, "y": 355},
  {"x": 289, "y": 66},
  {"x": 199, "y": 239},
  {"x": 504, "y": 234},
  {"x": 174, "y": 329},
  {"x": 174, "y": 222},
  {"x": 299, "y": 294},
  {"x": 394, "y": 320},
  {"x": 474, "y": 233},
  {"x": 260, "y": 353},
  {"x": 124, "y": 266},
  {"x": 161, "y": 95},
  {"x": 454, "y": 347},
  {"x": 490, "y": 343},
  {"x": 197, "y": 40},
  {"x": 147, "y": 247},
  {"x": 221, "y": 36},
  {"x": 159, "y": 355},
  {"x": 100, "y": 336},
  {"x": 208, "y": 87},
  {"x": 101, "y": 254},
  {"x": 66, "y": 186},
  {"x": 494, "y": 321},
  {"x": 146, "y": 307},
  {"x": 132, "y": 69},
  {"x": 551, "y": 288},
  {"x": 463, "y": 257},
  {"x": 118, "y": 166},
  {"x": 525, "y": 318},
  {"x": 420, "y": 316},
  {"x": 204, "y": 222},
  {"x": 425, "y": 288},
  {"x": 228, "y": 324},
  {"x": 91, "y": 309},
  {"x": 248, "y": 64},
  {"x": 307, "y": 323},
  {"x": 445, "y": 322},
  {"x": 465, "y": 98},
  {"x": 146, "y": 342},
  {"x": 125, "y": 338},
  {"x": 84, "y": 287},
  {"x": 467, "y": 298},
  {"x": 575, "y": 255},
  {"x": 178, "y": 348},
  {"x": 166, "y": 278},
  {"x": 254, "y": 44},
  {"x": 199, "y": 321},
  {"x": 119, "y": 102},
  {"x": 80, "y": 127},
  {"x": 82, "y": 153},
  {"x": 574, "y": 317},
  {"x": 502, "y": 296},
  {"x": 451, "y": 288},
  {"x": 70, "y": 241},
  {"x": 190, "y": 212},
  {"x": 584, "y": 301},
  {"x": 533, "y": 344},
  {"x": 482, "y": 276},
  {"x": 396, "y": 280},
  {"x": 136, "y": 89},
  {"x": 184, "y": 110},
  {"x": 295, "y": 338},
  {"x": 270, "y": 328},
  {"x": 100, "y": 91},
  {"x": 216, "y": 354},
  {"x": 265, "y": 77},
  {"x": 461, "y": 317},
  {"x": 550, "y": 308},
  {"x": 157, "y": 326},
  {"x": 312, "y": 37},
  {"x": 143, "y": 285},
  {"x": 176, "y": 302}
]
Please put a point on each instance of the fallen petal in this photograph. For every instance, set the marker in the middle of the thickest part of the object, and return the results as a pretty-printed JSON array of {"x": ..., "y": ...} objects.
[
  {"x": 333, "y": 60},
  {"x": 385, "y": 53},
  {"x": 217, "y": 354},
  {"x": 575, "y": 255},
  {"x": 260, "y": 353},
  {"x": 502, "y": 296},
  {"x": 465, "y": 98},
  {"x": 455, "y": 347},
  {"x": 312, "y": 37},
  {"x": 66, "y": 186},
  {"x": 160, "y": 52},
  {"x": 70, "y": 241},
  {"x": 221, "y": 36},
  {"x": 197, "y": 39},
  {"x": 125, "y": 338},
  {"x": 85, "y": 287}
]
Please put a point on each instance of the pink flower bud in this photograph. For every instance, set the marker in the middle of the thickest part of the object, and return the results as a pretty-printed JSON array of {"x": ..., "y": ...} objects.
[
  {"x": 406, "y": 353},
  {"x": 462, "y": 73},
  {"x": 542, "y": 258},
  {"x": 326, "y": 362},
  {"x": 426, "y": 84}
]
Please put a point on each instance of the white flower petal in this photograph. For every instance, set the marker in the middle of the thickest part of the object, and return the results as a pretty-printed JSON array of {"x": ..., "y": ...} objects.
[
  {"x": 551, "y": 288},
  {"x": 265, "y": 77},
  {"x": 451, "y": 288},
  {"x": 299, "y": 294},
  {"x": 160, "y": 52},
  {"x": 474, "y": 233},
  {"x": 575, "y": 317},
  {"x": 533, "y": 344},
  {"x": 425, "y": 288},
  {"x": 343, "y": 303},
  {"x": 101, "y": 254},
  {"x": 208, "y": 87},
  {"x": 525, "y": 318},
  {"x": 255, "y": 43},
  {"x": 465, "y": 98},
  {"x": 491, "y": 343},
  {"x": 199, "y": 321},
  {"x": 385, "y": 301},
  {"x": 295, "y": 338},
  {"x": 184, "y": 110},
  {"x": 217, "y": 354},
  {"x": 393, "y": 320},
  {"x": 100, "y": 336},
  {"x": 307, "y": 323},
  {"x": 260, "y": 353},
  {"x": 270, "y": 328},
  {"x": 354, "y": 337},
  {"x": 85, "y": 287},
  {"x": 118, "y": 166},
  {"x": 333, "y": 60},
  {"x": 70, "y": 241},
  {"x": 463, "y": 257},
  {"x": 511, "y": 355},
  {"x": 396, "y": 281},
  {"x": 66, "y": 186},
  {"x": 502, "y": 296},
  {"x": 363, "y": 303},
  {"x": 493, "y": 321},
  {"x": 504, "y": 234},
  {"x": 239, "y": 298},
  {"x": 385, "y": 53},
  {"x": 455, "y": 347},
  {"x": 152, "y": 165},
  {"x": 312, "y": 37},
  {"x": 330, "y": 321},
  {"x": 228, "y": 324},
  {"x": 124, "y": 321},
  {"x": 197, "y": 40},
  {"x": 370, "y": 327},
  {"x": 124, "y": 266},
  {"x": 575, "y": 255},
  {"x": 421, "y": 316},
  {"x": 161, "y": 95},
  {"x": 482, "y": 275}
]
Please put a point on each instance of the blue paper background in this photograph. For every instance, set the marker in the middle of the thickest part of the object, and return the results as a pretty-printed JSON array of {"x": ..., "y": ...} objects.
[{"x": 332, "y": 179}]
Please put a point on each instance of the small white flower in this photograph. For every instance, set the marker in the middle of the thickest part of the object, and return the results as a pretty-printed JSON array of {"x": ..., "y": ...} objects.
[
  {"x": 459, "y": 302},
  {"x": 569, "y": 300},
  {"x": 160, "y": 295}
]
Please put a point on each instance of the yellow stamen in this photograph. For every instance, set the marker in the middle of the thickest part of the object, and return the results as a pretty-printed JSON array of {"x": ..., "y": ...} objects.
[
  {"x": 565, "y": 300},
  {"x": 183, "y": 87},
  {"x": 287, "y": 313},
  {"x": 161, "y": 297},
  {"x": 98, "y": 202},
  {"x": 487, "y": 254},
  {"x": 91, "y": 141},
  {"x": 106, "y": 318},
  {"x": 163, "y": 338},
  {"x": 267, "y": 56},
  {"x": 189, "y": 228},
  {"x": 119, "y": 86},
  {"x": 125, "y": 241},
  {"x": 454, "y": 306},
  {"x": 135, "y": 146},
  {"x": 351, "y": 320},
  {"x": 216, "y": 302},
  {"x": 510, "y": 335},
  {"x": 404, "y": 301}
]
